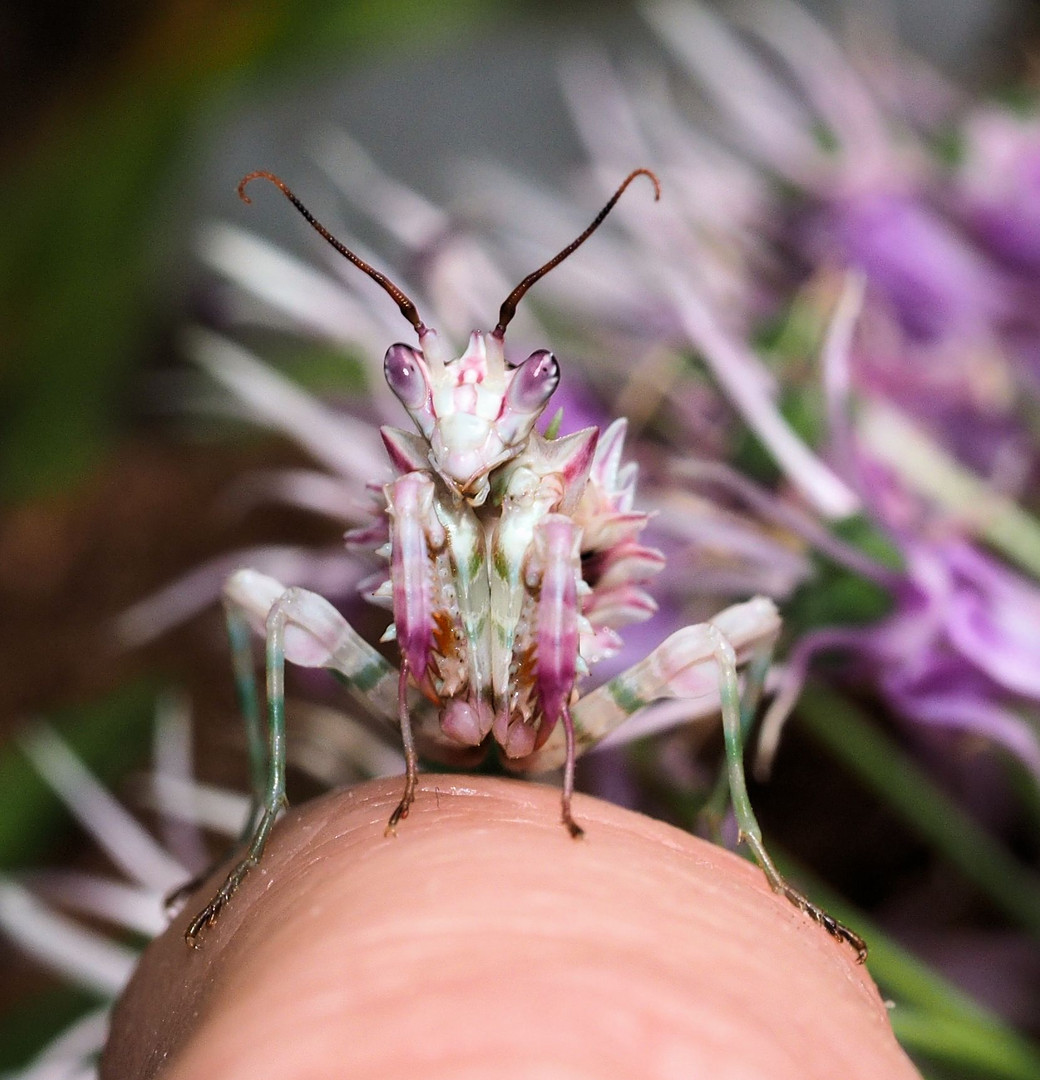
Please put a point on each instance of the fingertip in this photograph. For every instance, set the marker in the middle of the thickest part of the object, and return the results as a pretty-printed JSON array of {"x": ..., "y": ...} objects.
[{"x": 485, "y": 939}]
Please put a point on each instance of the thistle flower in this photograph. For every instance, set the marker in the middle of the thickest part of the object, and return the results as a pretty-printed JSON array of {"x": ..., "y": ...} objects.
[
  {"x": 37, "y": 912},
  {"x": 757, "y": 222},
  {"x": 947, "y": 338},
  {"x": 949, "y": 654},
  {"x": 878, "y": 196},
  {"x": 452, "y": 266},
  {"x": 958, "y": 650},
  {"x": 997, "y": 180}
]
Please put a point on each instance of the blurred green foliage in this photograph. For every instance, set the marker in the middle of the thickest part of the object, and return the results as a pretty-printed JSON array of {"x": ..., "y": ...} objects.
[
  {"x": 109, "y": 736},
  {"x": 37, "y": 1020},
  {"x": 877, "y": 760},
  {"x": 90, "y": 225},
  {"x": 944, "y": 1030},
  {"x": 835, "y": 595}
]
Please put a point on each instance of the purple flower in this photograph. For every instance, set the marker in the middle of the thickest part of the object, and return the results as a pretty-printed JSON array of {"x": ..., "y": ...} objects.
[
  {"x": 948, "y": 316},
  {"x": 999, "y": 184},
  {"x": 960, "y": 650},
  {"x": 934, "y": 283}
]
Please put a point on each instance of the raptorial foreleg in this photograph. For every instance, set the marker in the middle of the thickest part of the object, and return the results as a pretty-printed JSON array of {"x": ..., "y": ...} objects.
[
  {"x": 682, "y": 666},
  {"x": 553, "y": 571}
]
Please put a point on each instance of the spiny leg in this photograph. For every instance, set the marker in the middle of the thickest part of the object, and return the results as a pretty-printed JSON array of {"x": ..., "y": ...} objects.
[
  {"x": 687, "y": 666},
  {"x": 682, "y": 666},
  {"x": 732, "y": 728},
  {"x": 274, "y": 753},
  {"x": 317, "y": 636},
  {"x": 305, "y": 629},
  {"x": 568, "y": 776},
  {"x": 411, "y": 757}
]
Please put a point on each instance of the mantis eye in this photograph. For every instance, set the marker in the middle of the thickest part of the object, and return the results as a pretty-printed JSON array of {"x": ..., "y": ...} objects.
[
  {"x": 533, "y": 382},
  {"x": 402, "y": 367}
]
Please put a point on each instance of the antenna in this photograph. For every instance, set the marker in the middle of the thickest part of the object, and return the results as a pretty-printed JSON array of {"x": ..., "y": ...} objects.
[
  {"x": 408, "y": 309},
  {"x": 508, "y": 309}
]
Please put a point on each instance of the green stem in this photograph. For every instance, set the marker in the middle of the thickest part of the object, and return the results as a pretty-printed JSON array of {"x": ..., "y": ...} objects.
[
  {"x": 886, "y": 770},
  {"x": 926, "y": 468},
  {"x": 932, "y": 1017}
]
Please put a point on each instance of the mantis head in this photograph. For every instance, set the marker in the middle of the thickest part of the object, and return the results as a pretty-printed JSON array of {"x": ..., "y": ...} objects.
[{"x": 475, "y": 412}]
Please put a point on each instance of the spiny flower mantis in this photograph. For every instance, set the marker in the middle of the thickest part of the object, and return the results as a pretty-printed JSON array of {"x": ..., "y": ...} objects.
[{"x": 512, "y": 560}]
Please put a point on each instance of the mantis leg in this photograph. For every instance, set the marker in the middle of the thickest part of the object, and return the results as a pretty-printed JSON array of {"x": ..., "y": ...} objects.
[
  {"x": 698, "y": 664},
  {"x": 239, "y": 639},
  {"x": 682, "y": 666},
  {"x": 306, "y": 629},
  {"x": 754, "y": 683},
  {"x": 239, "y": 635},
  {"x": 273, "y": 801},
  {"x": 568, "y": 776},
  {"x": 733, "y": 729},
  {"x": 411, "y": 757}
]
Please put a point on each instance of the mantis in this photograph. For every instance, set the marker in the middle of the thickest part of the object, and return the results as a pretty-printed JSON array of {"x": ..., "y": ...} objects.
[{"x": 512, "y": 560}]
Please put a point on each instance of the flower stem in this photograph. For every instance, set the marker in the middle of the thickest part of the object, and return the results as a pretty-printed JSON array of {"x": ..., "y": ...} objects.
[
  {"x": 886, "y": 770},
  {"x": 932, "y": 1018}
]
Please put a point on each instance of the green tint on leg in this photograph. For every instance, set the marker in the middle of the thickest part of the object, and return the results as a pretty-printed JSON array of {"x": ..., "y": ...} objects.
[
  {"x": 239, "y": 636},
  {"x": 714, "y": 809},
  {"x": 272, "y": 786},
  {"x": 240, "y": 639},
  {"x": 733, "y": 719}
]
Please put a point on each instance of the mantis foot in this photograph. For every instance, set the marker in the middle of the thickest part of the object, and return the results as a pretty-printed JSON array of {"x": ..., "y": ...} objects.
[
  {"x": 838, "y": 931},
  {"x": 211, "y": 912}
]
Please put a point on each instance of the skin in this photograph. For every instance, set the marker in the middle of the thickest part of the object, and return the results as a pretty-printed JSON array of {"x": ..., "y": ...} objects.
[{"x": 483, "y": 940}]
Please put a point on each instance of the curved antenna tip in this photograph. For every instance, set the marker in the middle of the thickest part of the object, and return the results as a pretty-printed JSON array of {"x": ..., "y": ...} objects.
[
  {"x": 650, "y": 174},
  {"x": 508, "y": 309},
  {"x": 407, "y": 308},
  {"x": 259, "y": 174}
]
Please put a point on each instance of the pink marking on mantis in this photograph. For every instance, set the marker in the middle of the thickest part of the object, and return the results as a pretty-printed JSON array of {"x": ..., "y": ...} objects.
[
  {"x": 468, "y": 723},
  {"x": 408, "y": 452},
  {"x": 474, "y": 413},
  {"x": 487, "y": 525},
  {"x": 415, "y": 531},
  {"x": 511, "y": 559},
  {"x": 555, "y": 570}
]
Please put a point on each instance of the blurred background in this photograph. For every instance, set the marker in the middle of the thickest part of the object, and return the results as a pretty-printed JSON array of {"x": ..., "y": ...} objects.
[{"x": 125, "y": 129}]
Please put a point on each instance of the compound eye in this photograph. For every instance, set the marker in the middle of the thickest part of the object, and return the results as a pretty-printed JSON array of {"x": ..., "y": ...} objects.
[
  {"x": 533, "y": 382},
  {"x": 404, "y": 373}
]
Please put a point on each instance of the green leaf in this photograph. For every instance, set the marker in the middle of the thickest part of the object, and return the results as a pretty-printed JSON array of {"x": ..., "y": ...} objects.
[
  {"x": 34, "y": 1021},
  {"x": 835, "y": 595},
  {"x": 932, "y": 1017},
  {"x": 884, "y": 768},
  {"x": 109, "y": 737},
  {"x": 978, "y": 1049}
]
